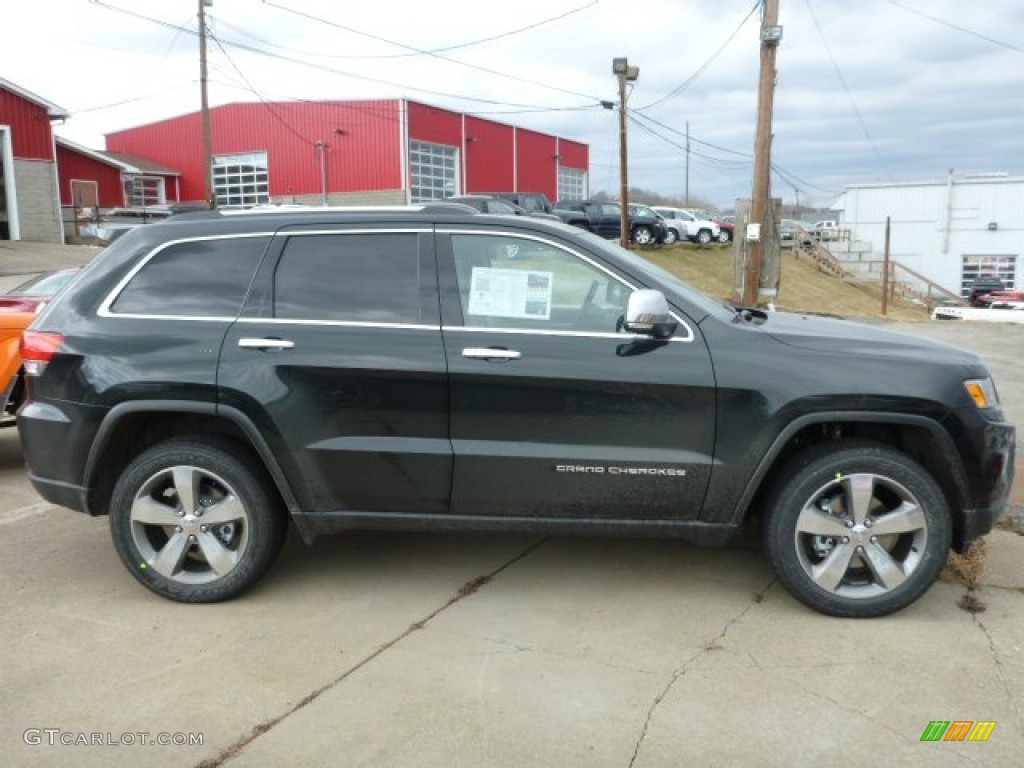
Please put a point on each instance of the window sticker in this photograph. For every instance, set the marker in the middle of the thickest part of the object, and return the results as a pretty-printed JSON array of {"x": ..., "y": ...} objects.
[{"x": 524, "y": 294}]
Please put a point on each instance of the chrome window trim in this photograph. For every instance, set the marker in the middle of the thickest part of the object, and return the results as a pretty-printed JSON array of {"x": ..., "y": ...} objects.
[
  {"x": 337, "y": 323},
  {"x": 569, "y": 334},
  {"x": 105, "y": 311},
  {"x": 689, "y": 337}
]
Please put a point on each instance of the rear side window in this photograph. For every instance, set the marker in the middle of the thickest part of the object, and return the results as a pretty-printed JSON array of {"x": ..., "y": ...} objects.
[
  {"x": 363, "y": 278},
  {"x": 201, "y": 278}
]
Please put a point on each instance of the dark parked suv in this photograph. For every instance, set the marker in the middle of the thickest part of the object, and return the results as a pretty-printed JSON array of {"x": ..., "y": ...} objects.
[{"x": 206, "y": 379}]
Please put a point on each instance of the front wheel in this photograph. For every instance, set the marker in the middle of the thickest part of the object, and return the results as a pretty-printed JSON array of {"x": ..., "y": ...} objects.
[
  {"x": 704, "y": 236},
  {"x": 725, "y": 236},
  {"x": 643, "y": 235},
  {"x": 859, "y": 530},
  {"x": 195, "y": 521}
]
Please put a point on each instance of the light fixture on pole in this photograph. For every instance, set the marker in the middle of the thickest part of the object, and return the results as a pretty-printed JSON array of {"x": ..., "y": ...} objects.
[{"x": 626, "y": 73}]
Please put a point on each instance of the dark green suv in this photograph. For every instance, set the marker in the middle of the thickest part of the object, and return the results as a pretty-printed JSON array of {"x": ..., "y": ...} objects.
[{"x": 207, "y": 379}]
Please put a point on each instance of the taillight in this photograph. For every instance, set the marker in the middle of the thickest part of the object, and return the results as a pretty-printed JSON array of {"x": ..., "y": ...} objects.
[{"x": 37, "y": 349}]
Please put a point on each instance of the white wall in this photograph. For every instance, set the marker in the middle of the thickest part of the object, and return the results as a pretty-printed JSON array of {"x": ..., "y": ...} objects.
[{"x": 935, "y": 226}]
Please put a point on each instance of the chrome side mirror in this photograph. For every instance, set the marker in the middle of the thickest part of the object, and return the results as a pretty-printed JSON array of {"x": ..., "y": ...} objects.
[{"x": 647, "y": 313}]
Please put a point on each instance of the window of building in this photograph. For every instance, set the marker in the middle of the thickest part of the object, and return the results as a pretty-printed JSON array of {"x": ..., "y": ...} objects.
[
  {"x": 1003, "y": 267},
  {"x": 572, "y": 184},
  {"x": 510, "y": 282},
  {"x": 433, "y": 171},
  {"x": 241, "y": 180},
  {"x": 144, "y": 191},
  {"x": 203, "y": 278},
  {"x": 365, "y": 278}
]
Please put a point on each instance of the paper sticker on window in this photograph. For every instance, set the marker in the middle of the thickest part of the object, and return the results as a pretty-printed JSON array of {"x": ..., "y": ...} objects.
[{"x": 510, "y": 293}]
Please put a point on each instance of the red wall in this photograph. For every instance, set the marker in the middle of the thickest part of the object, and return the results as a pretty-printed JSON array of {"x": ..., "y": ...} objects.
[
  {"x": 75, "y": 165},
  {"x": 364, "y": 156},
  {"x": 438, "y": 126},
  {"x": 537, "y": 167},
  {"x": 574, "y": 155},
  {"x": 489, "y": 159},
  {"x": 31, "y": 134}
]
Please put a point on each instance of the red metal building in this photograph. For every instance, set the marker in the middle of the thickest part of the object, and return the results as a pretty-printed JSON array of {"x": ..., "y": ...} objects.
[
  {"x": 90, "y": 177},
  {"x": 380, "y": 151},
  {"x": 29, "y": 207}
]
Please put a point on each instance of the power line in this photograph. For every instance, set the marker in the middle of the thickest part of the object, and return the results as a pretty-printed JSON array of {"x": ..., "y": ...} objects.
[
  {"x": 266, "y": 103},
  {"x": 420, "y": 51},
  {"x": 322, "y": 68},
  {"x": 445, "y": 49},
  {"x": 957, "y": 27},
  {"x": 134, "y": 99},
  {"x": 700, "y": 70},
  {"x": 694, "y": 138},
  {"x": 849, "y": 95}
]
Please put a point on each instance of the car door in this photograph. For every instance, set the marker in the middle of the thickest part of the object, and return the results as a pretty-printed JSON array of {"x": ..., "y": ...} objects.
[
  {"x": 338, "y": 359},
  {"x": 554, "y": 412}
]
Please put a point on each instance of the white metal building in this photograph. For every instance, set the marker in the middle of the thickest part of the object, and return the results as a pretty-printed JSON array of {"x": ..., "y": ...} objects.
[{"x": 950, "y": 231}]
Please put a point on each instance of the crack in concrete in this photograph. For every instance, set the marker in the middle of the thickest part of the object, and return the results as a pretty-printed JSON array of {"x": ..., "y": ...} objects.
[
  {"x": 520, "y": 648},
  {"x": 678, "y": 673},
  {"x": 464, "y": 591},
  {"x": 1007, "y": 687}
]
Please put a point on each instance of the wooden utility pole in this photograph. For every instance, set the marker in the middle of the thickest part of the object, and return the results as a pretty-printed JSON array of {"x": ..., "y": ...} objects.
[
  {"x": 626, "y": 73},
  {"x": 771, "y": 34},
  {"x": 623, "y": 167},
  {"x": 204, "y": 103},
  {"x": 687, "y": 163}
]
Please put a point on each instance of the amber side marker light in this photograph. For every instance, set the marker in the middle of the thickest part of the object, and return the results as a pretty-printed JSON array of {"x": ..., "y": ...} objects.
[
  {"x": 37, "y": 349},
  {"x": 982, "y": 392}
]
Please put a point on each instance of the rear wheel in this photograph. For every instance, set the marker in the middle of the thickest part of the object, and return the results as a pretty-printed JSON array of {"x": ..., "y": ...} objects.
[
  {"x": 725, "y": 236},
  {"x": 195, "y": 521},
  {"x": 671, "y": 236},
  {"x": 860, "y": 530}
]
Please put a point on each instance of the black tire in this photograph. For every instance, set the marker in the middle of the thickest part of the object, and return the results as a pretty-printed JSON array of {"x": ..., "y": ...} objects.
[
  {"x": 725, "y": 236},
  {"x": 704, "y": 236},
  {"x": 643, "y": 235},
  {"x": 886, "y": 550},
  {"x": 182, "y": 555},
  {"x": 671, "y": 236}
]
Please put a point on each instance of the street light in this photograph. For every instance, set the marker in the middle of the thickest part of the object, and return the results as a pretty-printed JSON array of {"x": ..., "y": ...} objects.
[{"x": 626, "y": 74}]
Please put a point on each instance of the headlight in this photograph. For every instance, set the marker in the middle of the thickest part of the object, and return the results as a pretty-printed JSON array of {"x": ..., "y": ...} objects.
[{"x": 982, "y": 392}]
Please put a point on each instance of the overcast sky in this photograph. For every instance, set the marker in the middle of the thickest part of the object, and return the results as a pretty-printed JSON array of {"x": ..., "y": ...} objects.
[{"x": 872, "y": 90}]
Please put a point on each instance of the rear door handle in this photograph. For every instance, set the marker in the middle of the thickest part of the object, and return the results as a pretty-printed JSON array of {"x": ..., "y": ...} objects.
[
  {"x": 265, "y": 343},
  {"x": 490, "y": 353}
]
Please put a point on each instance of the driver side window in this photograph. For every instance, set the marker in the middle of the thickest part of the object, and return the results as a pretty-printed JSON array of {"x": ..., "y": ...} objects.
[{"x": 511, "y": 282}]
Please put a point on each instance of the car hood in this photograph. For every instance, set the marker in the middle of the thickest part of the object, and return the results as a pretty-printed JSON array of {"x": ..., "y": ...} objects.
[{"x": 844, "y": 337}]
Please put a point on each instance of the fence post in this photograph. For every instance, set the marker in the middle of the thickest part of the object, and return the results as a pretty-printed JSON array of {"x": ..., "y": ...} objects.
[{"x": 885, "y": 271}]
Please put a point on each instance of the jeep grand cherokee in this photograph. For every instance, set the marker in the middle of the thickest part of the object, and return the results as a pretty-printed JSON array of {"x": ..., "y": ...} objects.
[{"x": 206, "y": 379}]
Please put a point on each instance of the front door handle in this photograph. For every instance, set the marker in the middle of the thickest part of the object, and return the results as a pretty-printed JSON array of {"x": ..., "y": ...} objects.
[
  {"x": 265, "y": 343},
  {"x": 490, "y": 353}
]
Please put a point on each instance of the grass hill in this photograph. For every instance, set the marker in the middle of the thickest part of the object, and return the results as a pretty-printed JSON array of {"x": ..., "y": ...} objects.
[{"x": 803, "y": 287}]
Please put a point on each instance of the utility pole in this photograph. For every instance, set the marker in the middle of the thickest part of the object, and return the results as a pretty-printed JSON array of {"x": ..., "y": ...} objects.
[
  {"x": 687, "y": 163},
  {"x": 323, "y": 146},
  {"x": 771, "y": 34},
  {"x": 204, "y": 102},
  {"x": 625, "y": 73}
]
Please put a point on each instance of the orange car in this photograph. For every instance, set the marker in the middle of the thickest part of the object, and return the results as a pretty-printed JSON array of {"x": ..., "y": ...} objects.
[{"x": 18, "y": 309}]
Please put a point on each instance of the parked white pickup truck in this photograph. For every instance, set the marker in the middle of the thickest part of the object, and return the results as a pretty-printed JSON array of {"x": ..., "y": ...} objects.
[{"x": 826, "y": 230}]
